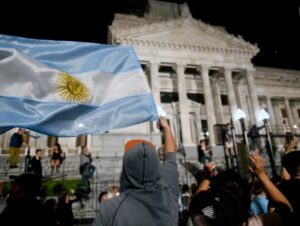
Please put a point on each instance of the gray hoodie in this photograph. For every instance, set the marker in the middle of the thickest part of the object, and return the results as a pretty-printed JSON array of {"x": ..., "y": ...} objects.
[{"x": 149, "y": 191}]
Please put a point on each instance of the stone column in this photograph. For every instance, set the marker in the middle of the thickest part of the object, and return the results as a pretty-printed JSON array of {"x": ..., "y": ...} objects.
[
  {"x": 289, "y": 112},
  {"x": 277, "y": 113},
  {"x": 176, "y": 122},
  {"x": 210, "y": 112},
  {"x": 270, "y": 110},
  {"x": 230, "y": 92},
  {"x": 198, "y": 122},
  {"x": 5, "y": 140},
  {"x": 183, "y": 106},
  {"x": 155, "y": 83},
  {"x": 89, "y": 141},
  {"x": 253, "y": 97},
  {"x": 294, "y": 112},
  {"x": 155, "y": 87},
  {"x": 217, "y": 100},
  {"x": 236, "y": 80}
]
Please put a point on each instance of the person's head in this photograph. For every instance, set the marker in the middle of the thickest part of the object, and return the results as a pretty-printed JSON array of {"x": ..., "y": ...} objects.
[
  {"x": 103, "y": 196},
  {"x": 228, "y": 125},
  {"x": 25, "y": 185},
  {"x": 185, "y": 188},
  {"x": 141, "y": 165},
  {"x": 21, "y": 131},
  {"x": 57, "y": 147},
  {"x": 39, "y": 153},
  {"x": 230, "y": 185},
  {"x": 85, "y": 150},
  {"x": 291, "y": 162},
  {"x": 203, "y": 143},
  {"x": 254, "y": 126},
  {"x": 219, "y": 206}
]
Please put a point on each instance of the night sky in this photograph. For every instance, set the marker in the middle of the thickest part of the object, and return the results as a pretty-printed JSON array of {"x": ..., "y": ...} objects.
[{"x": 275, "y": 27}]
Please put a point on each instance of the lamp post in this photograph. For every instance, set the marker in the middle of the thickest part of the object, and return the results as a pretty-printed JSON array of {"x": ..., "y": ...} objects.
[
  {"x": 264, "y": 116},
  {"x": 241, "y": 115},
  {"x": 234, "y": 144}
]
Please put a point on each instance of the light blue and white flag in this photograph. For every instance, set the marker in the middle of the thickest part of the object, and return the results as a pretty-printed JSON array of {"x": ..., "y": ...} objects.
[{"x": 66, "y": 88}]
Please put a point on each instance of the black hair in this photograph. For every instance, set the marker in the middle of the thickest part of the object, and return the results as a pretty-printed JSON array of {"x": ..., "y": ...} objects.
[
  {"x": 30, "y": 183},
  {"x": 59, "y": 147},
  {"x": 38, "y": 150},
  {"x": 227, "y": 202},
  {"x": 185, "y": 188},
  {"x": 101, "y": 195}
]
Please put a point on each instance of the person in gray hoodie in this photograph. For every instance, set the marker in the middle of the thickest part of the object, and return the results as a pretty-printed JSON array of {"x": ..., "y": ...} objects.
[{"x": 149, "y": 189}]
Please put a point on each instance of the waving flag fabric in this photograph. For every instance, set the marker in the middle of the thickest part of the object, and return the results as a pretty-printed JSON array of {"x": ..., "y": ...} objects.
[{"x": 65, "y": 88}]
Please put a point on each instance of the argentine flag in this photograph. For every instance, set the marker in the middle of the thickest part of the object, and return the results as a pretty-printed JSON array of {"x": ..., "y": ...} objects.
[{"x": 64, "y": 88}]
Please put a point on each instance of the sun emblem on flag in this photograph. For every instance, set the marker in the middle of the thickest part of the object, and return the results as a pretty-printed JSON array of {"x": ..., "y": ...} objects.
[{"x": 71, "y": 88}]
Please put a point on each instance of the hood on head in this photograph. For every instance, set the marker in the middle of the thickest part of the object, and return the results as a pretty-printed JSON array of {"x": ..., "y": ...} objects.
[{"x": 141, "y": 167}]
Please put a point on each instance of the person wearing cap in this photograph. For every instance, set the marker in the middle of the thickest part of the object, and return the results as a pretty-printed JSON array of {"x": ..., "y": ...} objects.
[
  {"x": 149, "y": 190},
  {"x": 23, "y": 208},
  {"x": 15, "y": 143}
]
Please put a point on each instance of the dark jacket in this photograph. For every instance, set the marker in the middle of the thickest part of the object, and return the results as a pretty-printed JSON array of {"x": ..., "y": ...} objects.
[
  {"x": 36, "y": 166},
  {"x": 26, "y": 211},
  {"x": 149, "y": 192}
]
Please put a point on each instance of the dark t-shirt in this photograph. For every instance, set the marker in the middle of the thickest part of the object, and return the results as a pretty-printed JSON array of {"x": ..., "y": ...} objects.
[
  {"x": 36, "y": 166},
  {"x": 16, "y": 140},
  {"x": 291, "y": 188}
]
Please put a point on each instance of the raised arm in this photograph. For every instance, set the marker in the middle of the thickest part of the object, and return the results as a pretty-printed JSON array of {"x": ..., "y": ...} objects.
[
  {"x": 169, "y": 167},
  {"x": 170, "y": 145},
  {"x": 270, "y": 188},
  {"x": 209, "y": 171}
]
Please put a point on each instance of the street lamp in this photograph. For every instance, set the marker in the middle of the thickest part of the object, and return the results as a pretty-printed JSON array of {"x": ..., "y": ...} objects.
[
  {"x": 264, "y": 116},
  {"x": 295, "y": 129},
  {"x": 205, "y": 134},
  {"x": 241, "y": 115}
]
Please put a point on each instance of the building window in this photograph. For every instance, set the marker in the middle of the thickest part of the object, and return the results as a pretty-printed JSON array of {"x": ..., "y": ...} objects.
[
  {"x": 191, "y": 71},
  {"x": 168, "y": 97},
  {"x": 283, "y": 113},
  {"x": 144, "y": 67},
  {"x": 197, "y": 97},
  {"x": 224, "y": 100},
  {"x": 298, "y": 111},
  {"x": 166, "y": 70},
  {"x": 204, "y": 125}
]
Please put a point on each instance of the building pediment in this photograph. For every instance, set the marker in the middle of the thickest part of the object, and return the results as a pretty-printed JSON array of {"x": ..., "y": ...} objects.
[{"x": 186, "y": 33}]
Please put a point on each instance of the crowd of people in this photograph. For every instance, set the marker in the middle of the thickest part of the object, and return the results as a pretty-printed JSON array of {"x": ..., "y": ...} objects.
[{"x": 150, "y": 193}]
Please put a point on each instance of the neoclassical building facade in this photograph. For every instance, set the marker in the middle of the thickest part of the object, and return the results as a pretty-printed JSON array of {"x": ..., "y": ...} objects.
[{"x": 200, "y": 75}]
